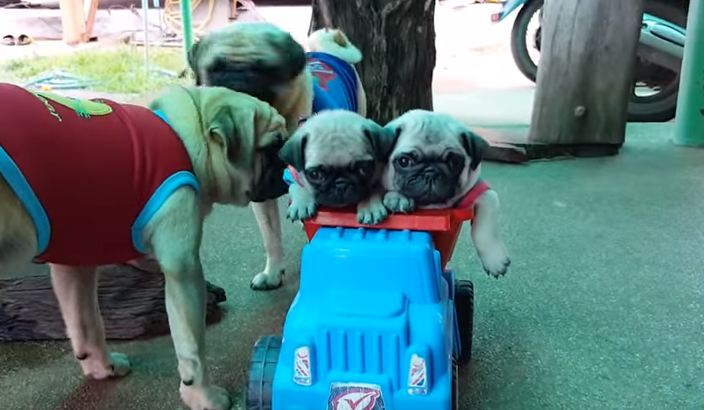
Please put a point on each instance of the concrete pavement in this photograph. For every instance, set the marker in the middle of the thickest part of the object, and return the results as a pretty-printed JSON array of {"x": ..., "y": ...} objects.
[{"x": 601, "y": 309}]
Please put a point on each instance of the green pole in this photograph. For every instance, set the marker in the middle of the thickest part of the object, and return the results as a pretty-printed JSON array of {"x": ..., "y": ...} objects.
[
  {"x": 689, "y": 119},
  {"x": 186, "y": 26}
]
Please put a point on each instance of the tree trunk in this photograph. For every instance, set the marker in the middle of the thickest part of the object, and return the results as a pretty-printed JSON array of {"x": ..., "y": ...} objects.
[
  {"x": 397, "y": 40},
  {"x": 586, "y": 70}
]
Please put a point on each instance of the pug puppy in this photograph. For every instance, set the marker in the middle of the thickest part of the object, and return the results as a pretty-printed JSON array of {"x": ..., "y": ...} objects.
[
  {"x": 139, "y": 181},
  {"x": 436, "y": 164},
  {"x": 263, "y": 60},
  {"x": 336, "y": 159}
]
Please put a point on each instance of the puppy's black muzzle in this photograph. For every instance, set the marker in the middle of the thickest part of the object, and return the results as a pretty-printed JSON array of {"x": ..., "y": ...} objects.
[
  {"x": 428, "y": 181},
  {"x": 340, "y": 187}
]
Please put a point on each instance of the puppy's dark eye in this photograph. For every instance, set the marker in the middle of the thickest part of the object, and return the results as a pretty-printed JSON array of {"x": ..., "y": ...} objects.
[
  {"x": 315, "y": 174},
  {"x": 455, "y": 161},
  {"x": 405, "y": 161}
]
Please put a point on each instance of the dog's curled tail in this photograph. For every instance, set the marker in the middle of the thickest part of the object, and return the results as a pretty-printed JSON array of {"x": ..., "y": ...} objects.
[{"x": 334, "y": 41}]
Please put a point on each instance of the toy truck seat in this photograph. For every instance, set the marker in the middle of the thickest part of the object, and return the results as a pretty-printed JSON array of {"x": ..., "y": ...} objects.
[{"x": 444, "y": 225}]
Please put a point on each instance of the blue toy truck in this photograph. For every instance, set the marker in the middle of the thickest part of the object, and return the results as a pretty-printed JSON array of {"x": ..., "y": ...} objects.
[{"x": 378, "y": 323}]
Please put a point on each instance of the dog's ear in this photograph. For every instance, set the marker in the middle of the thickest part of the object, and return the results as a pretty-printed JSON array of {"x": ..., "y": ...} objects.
[
  {"x": 475, "y": 146},
  {"x": 293, "y": 151},
  {"x": 381, "y": 139},
  {"x": 193, "y": 55},
  {"x": 340, "y": 38},
  {"x": 223, "y": 131}
]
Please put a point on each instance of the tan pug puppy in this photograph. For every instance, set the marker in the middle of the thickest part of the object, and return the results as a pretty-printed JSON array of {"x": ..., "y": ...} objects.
[
  {"x": 434, "y": 164},
  {"x": 138, "y": 181},
  {"x": 265, "y": 61},
  {"x": 336, "y": 159}
]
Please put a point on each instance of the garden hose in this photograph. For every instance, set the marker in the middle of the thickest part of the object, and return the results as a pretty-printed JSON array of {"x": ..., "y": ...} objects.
[{"x": 172, "y": 16}]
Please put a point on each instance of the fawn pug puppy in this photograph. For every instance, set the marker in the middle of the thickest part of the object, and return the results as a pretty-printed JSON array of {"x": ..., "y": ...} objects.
[
  {"x": 436, "y": 163},
  {"x": 336, "y": 159}
]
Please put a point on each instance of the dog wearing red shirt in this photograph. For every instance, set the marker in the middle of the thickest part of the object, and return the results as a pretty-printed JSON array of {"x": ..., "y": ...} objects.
[{"x": 93, "y": 182}]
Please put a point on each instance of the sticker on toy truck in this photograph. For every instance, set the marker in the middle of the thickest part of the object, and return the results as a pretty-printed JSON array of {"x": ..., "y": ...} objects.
[
  {"x": 301, "y": 367},
  {"x": 417, "y": 376},
  {"x": 355, "y": 396}
]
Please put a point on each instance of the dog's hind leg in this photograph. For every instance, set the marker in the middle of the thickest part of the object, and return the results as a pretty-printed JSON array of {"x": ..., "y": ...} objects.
[
  {"x": 76, "y": 289},
  {"x": 269, "y": 221}
]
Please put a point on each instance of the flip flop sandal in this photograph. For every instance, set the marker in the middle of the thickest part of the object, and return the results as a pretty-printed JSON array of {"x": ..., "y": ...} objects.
[
  {"x": 8, "y": 40},
  {"x": 23, "y": 40}
]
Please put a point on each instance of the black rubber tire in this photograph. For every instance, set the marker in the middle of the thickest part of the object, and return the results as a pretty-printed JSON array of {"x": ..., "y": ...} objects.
[
  {"x": 262, "y": 366},
  {"x": 464, "y": 307},
  {"x": 519, "y": 48},
  {"x": 661, "y": 106},
  {"x": 455, "y": 385}
]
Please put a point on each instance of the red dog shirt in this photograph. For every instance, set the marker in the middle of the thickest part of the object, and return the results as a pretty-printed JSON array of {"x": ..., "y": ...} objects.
[{"x": 91, "y": 174}]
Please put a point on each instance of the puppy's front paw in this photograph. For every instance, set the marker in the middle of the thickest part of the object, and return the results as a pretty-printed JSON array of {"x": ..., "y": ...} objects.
[
  {"x": 268, "y": 280},
  {"x": 301, "y": 210},
  {"x": 205, "y": 397},
  {"x": 495, "y": 260},
  {"x": 118, "y": 366},
  {"x": 396, "y": 202},
  {"x": 371, "y": 213}
]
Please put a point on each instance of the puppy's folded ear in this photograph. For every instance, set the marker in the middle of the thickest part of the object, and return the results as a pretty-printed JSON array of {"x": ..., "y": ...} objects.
[
  {"x": 293, "y": 151},
  {"x": 475, "y": 146},
  {"x": 382, "y": 139}
]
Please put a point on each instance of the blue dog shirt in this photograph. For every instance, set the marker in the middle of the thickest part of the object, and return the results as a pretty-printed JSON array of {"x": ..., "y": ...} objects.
[{"x": 334, "y": 82}]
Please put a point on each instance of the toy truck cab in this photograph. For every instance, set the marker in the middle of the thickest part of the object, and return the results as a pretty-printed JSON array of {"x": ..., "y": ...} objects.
[{"x": 374, "y": 323}]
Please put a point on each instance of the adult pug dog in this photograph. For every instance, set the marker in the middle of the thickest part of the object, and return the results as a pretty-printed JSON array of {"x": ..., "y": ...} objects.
[
  {"x": 263, "y": 60},
  {"x": 86, "y": 183},
  {"x": 336, "y": 159},
  {"x": 435, "y": 163}
]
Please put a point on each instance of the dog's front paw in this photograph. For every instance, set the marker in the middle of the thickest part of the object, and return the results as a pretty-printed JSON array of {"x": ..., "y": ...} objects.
[
  {"x": 118, "y": 366},
  {"x": 301, "y": 210},
  {"x": 495, "y": 260},
  {"x": 205, "y": 397},
  {"x": 396, "y": 202},
  {"x": 371, "y": 213},
  {"x": 268, "y": 280}
]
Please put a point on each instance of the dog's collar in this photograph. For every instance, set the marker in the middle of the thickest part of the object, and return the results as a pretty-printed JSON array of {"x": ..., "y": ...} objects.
[{"x": 477, "y": 190}]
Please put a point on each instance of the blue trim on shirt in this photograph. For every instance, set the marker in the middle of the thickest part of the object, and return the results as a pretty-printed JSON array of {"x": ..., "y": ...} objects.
[
  {"x": 21, "y": 188},
  {"x": 161, "y": 115},
  {"x": 158, "y": 198},
  {"x": 288, "y": 178}
]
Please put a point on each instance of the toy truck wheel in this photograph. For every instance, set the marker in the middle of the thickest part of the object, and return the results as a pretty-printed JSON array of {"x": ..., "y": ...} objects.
[
  {"x": 262, "y": 366},
  {"x": 464, "y": 306}
]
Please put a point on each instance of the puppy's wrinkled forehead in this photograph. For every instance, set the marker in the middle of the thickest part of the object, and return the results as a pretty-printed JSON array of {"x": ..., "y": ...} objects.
[
  {"x": 336, "y": 139},
  {"x": 430, "y": 132}
]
